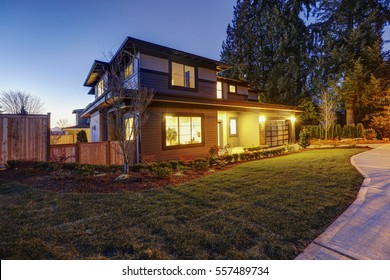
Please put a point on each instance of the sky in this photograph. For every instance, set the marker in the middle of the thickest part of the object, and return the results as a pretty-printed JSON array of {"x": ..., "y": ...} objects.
[{"x": 47, "y": 47}]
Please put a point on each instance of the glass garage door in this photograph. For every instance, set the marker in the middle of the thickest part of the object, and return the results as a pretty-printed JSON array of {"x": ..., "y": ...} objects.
[{"x": 276, "y": 133}]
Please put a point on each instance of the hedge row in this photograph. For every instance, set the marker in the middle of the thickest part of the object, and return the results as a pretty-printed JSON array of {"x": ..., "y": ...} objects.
[{"x": 336, "y": 131}]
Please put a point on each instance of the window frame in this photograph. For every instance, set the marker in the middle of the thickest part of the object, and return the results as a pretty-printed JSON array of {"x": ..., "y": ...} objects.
[
  {"x": 235, "y": 89},
  {"x": 182, "y": 146},
  {"x": 125, "y": 74},
  {"x": 184, "y": 63},
  {"x": 230, "y": 129},
  {"x": 100, "y": 87},
  {"x": 219, "y": 90}
]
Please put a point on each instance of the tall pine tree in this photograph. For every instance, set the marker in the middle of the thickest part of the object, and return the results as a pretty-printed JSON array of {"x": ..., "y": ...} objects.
[
  {"x": 349, "y": 40},
  {"x": 267, "y": 43}
]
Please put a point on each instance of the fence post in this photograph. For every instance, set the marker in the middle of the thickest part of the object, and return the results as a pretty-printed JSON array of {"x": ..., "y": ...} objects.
[
  {"x": 108, "y": 153},
  {"x": 77, "y": 152},
  {"x": 48, "y": 138}
]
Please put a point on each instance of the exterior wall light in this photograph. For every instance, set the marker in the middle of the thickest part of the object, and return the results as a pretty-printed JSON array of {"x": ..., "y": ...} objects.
[
  {"x": 293, "y": 119},
  {"x": 261, "y": 119}
]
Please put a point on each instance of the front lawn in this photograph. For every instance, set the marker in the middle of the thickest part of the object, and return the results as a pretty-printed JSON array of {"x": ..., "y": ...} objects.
[{"x": 265, "y": 209}]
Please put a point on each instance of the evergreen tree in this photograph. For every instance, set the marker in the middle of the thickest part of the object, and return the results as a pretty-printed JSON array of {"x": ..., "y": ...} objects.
[
  {"x": 349, "y": 41},
  {"x": 267, "y": 43}
]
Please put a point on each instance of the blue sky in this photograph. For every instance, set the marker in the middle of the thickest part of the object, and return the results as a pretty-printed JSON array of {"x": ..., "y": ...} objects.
[{"x": 48, "y": 46}]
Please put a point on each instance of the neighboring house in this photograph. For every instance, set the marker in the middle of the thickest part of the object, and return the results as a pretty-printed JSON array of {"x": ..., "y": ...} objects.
[
  {"x": 81, "y": 124},
  {"x": 193, "y": 108}
]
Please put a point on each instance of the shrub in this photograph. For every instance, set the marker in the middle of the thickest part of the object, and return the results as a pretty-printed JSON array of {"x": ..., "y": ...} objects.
[
  {"x": 200, "y": 164},
  {"x": 82, "y": 136},
  {"x": 359, "y": 130},
  {"x": 162, "y": 172},
  {"x": 369, "y": 134},
  {"x": 352, "y": 131},
  {"x": 138, "y": 167},
  {"x": 163, "y": 164},
  {"x": 214, "y": 150},
  {"x": 174, "y": 164},
  {"x": 345, "y": 132},
  {"x": 381, "y": 124},
  {"x": 228, "y": 158},
  {"x": 244, "y": 156},
  {"x": 304, "y": 138},
  {"x": 213, "y": 160},
  {"x": 236, "y": 157},
  {"x": 337, "y": 131}
]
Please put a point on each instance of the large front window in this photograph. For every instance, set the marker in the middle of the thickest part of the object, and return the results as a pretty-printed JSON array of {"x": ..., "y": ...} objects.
[
  {"x": 182, "y": 130},
  {"x": 183, "y": 75}
]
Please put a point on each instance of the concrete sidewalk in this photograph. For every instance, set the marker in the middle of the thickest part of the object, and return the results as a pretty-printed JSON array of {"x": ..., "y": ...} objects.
[{"x": 363, "y": 230}]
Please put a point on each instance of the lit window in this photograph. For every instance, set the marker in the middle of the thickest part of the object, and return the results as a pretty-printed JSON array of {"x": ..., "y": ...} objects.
[
  {"x": 129, "y": 70},
  {"x": 183, "y": 130},
  {"x": 183, "y": 75},
  {"x": 100, "y": 87},
  {"x": 233, "y": 127},
  {"x": 232, "y": 89},
  {"x": 129, "y": 129},
  {"x": 219, "y": 90}
]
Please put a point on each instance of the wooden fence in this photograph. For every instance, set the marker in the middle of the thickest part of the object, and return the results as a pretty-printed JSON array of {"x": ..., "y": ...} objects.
[
  {"x": 24, "y": 137},
  {"x": 63, "y": 139},
  {"x": 105, "y": 153}
]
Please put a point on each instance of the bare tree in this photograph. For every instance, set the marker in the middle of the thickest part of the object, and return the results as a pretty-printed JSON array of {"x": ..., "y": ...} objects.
[
  {"x": 62, "y": 123},
  {"x": 327, "y": 111},
  {"x": 20, "y": 102},
  {"x": 128, "y": 103}
]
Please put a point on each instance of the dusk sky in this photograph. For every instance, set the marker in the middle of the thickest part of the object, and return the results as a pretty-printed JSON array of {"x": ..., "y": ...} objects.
[{"x": 48, "y": 46}]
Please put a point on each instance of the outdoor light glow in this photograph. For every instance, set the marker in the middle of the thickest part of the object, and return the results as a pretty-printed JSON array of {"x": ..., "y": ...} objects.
[
  {"x": 293, "y": 119},
  {"x": 262, "y": 119}
]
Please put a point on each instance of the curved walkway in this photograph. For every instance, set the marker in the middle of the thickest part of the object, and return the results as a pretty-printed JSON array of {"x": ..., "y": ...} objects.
[{"x": 363, "y": 230}]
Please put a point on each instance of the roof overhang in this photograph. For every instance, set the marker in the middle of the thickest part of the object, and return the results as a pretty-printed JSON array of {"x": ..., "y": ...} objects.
[
  {"x": 97, "y": 70},
  {"x": 133, "y": 44}
]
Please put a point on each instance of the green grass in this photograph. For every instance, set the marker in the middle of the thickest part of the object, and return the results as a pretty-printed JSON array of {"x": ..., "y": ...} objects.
[{"x": 267, "y": 209}]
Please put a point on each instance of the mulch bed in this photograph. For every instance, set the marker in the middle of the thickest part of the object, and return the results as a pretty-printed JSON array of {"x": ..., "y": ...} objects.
[{"x": 66, "y": 182}]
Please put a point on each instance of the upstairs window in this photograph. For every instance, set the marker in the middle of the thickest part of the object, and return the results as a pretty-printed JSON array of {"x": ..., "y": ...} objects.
[
  {"x": 100, "y": 87},
  {"x": 232, "y": 89},
  {"x": 129, "y": 70},
  {"x": 219, "y": 90},
  {"x": 183, "y": 75}
]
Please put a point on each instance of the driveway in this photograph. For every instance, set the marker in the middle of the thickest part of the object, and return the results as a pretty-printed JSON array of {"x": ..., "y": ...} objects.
[{"x": 363, "y": 230}]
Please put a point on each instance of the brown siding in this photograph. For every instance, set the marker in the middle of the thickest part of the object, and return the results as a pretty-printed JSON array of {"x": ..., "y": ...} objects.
[
  {"x": 151, "y": 144},
  {"x": 24, "y": 137},
  {"x": 237, "y": 97},
  {"x": 159, "y": 81}
]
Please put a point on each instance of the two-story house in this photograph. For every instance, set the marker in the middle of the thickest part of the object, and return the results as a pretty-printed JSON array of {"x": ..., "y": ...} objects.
[{"x": 193, "y": 108}]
